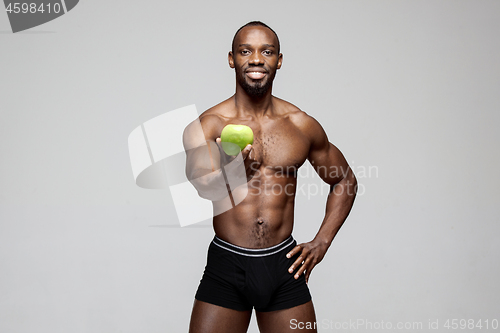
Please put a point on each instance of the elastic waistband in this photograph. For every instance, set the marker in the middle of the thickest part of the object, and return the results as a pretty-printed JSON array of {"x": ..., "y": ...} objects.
[{"x": 253, "y": 252}]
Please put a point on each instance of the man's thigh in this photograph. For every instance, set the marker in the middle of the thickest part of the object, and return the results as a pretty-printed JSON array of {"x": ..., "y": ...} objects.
[
  {"x": 210, "y": 318},
  {"x": 283, "y": 321}
]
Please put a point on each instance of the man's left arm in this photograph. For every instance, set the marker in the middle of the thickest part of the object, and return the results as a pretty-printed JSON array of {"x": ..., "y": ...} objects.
[{"x": 333, "y": 168}]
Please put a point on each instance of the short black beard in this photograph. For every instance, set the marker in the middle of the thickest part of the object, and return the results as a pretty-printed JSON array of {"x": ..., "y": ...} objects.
[{"x": 256, "y": 90}]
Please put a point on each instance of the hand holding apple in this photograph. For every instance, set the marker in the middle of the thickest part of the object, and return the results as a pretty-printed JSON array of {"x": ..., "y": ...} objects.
[{"x": 234, "y": 138}]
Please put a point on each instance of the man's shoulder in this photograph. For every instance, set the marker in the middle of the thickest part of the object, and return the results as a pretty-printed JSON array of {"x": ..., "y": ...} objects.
[
  {"x": 216, "y": 113},
  {"x": 298, "y": 117},
  {"x": 305, "y": 123},
  {"x": 213, "y": 119}
]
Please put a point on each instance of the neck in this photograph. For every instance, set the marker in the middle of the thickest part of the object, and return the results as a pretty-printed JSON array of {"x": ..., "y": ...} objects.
[{"x": 257, "y": 106}]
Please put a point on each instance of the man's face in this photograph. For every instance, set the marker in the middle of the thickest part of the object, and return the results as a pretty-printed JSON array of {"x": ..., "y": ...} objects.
[{"x": 255, "y": 59}]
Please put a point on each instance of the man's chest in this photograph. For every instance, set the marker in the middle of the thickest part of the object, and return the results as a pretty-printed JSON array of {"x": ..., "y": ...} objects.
[{"x": 278, "y": 144}]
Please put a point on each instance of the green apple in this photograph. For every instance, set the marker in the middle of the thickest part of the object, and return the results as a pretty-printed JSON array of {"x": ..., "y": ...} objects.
[{"x": 235, "y": 137}]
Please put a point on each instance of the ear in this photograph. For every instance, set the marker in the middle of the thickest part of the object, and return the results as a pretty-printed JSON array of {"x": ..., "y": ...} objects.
[
  {"x": 280, "y": 60},
  {"x": 230, "y": 59}
]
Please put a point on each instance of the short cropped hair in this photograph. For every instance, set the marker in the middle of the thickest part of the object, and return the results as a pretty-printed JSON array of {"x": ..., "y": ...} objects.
[{"x": 252, "y": 24}]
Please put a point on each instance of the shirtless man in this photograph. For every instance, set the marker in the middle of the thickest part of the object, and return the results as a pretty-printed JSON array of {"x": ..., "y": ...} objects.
[{"x": 253, "y": 261}]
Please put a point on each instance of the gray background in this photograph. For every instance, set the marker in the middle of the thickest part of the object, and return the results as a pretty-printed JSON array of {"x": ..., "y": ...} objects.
[{"x": 410, "y": 87}]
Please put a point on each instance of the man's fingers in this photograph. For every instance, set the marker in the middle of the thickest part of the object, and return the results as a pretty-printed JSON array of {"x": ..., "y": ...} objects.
[
  {"x": 309, "y": 270},
  {"x": 296, "y": 264},
  {"x": 218, "y": 142},
  {"x": 308, "y": 273},
  {"x": 294, "y": 251},
  {"x": 246, "y": 151},
  {"x": 302, "y": 269},
  {"x": 308, "y": 259}
]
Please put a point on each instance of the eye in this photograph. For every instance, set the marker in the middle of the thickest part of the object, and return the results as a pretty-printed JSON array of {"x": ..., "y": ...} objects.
[
  {"x": 245, "y": 52},
  {"x": 267, "y": 52}
]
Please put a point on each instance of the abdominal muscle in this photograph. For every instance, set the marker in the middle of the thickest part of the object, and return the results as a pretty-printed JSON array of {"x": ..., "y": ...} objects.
[{"x": 264, "y": 218}]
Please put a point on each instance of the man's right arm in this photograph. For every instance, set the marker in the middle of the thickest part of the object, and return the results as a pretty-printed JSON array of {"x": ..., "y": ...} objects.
[{"x": 203, "y": 158}]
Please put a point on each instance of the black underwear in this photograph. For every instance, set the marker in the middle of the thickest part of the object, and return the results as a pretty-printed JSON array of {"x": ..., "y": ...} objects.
[{"x": 241, "y": 279}]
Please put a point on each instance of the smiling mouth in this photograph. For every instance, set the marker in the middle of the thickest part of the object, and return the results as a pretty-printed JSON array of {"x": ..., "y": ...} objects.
[{"x": 256, "y": 75}]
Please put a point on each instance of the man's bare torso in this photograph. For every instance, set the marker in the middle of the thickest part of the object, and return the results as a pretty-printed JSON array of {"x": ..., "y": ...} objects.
[{"x": 265, "y": 217}]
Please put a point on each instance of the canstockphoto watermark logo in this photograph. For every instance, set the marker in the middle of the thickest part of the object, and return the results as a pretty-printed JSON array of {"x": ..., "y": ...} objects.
[
  {"x": 31, "y": 13},
  {"x": 168, "y": 151}
]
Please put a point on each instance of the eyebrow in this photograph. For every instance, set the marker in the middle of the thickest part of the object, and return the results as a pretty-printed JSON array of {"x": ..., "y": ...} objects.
[{"x": 248, "y": 45}]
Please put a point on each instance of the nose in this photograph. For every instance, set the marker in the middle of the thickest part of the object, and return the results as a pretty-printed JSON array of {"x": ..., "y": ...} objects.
[{"x": 256, "y": 59}]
